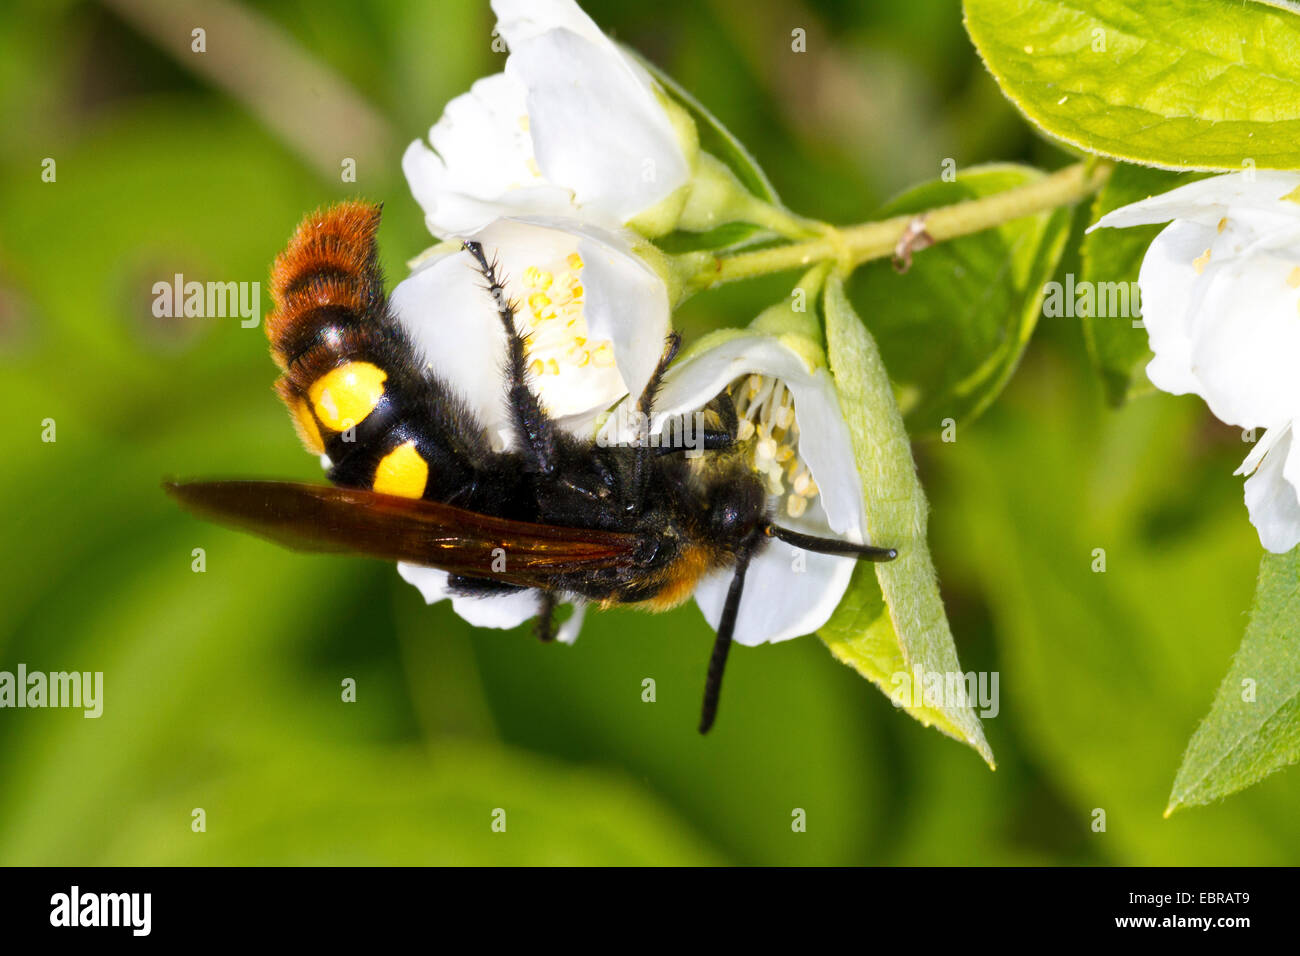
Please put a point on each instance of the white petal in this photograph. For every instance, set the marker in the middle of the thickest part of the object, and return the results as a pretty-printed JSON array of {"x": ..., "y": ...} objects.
[
  {"x": 1246, "y": 340},
  {"x": 627, "y": 304},
  {"x": 1167, "y": 279},
  {"x": 1263, "y": 446},
  {"x": 1207, "y": 201},
  {"x": 481, "y": 166},
  {"x": 430, "y": 582},
  {"x": 827, "y": 448},
  {"x": 1272, "y": 497},
  {"x": 597, "y": 126},
  {"x": 568, "y": 631},
  {"x": 692, "y": 383},
  {"x": 1223, "y": 322},
  {"x": 454, "y": 325},
  {"x": 483, "y": 136},
  {"x": 779, "y": 602},
  {"x": 500, "y": 611},
  {"x": 1290, "y": 453},
  {"x": 522, "y": 20}
]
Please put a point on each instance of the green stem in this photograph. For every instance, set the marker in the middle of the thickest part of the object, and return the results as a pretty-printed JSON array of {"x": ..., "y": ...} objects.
[{"x": 854, "y": 245}]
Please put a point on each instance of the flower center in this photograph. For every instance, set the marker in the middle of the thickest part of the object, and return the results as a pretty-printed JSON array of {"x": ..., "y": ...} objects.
[
  {"x": 765, "y": 409},
  {"x": 551, "y": 317}
]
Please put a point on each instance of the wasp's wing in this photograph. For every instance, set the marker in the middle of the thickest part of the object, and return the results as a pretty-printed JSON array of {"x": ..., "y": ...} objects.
[{"x": 328, "y": 518}]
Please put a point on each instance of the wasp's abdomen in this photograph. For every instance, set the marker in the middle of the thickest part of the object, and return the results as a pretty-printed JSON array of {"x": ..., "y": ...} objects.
[
  {"x": 326, "y": 286},
  {"x": 351, "y": 379}
]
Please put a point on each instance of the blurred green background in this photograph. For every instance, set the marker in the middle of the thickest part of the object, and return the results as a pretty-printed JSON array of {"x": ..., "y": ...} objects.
[{"x": 223, "y": 688}]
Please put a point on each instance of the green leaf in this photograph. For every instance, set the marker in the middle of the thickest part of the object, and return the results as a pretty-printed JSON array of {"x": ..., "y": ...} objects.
[
  {"x": 973, "y": 302},
  {"x": 1107, "y": 668},
  {"x": 1184, "y": 84},
  {"x": 1111, "y": 258},
  {"x": 891, "y": 624},
  {"x": 1253, "y": 727}
]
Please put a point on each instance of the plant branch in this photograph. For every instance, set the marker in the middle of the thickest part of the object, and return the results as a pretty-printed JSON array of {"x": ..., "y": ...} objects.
[{"x": 854, "y": 245}]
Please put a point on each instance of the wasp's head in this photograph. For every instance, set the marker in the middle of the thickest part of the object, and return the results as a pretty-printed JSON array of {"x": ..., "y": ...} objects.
[{"x": 736, "y": 510}]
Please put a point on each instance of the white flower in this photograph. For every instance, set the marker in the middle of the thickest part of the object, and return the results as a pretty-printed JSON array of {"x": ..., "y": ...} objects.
[
  {"x": 573, "y": 127},
  {"x": 596, "y": 316},
  {"x": 788, "y": 403},
  {"x": 1221, "y": 303}
]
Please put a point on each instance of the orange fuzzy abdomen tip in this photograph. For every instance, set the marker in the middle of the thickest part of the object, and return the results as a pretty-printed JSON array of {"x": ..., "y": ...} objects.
[{"x": 327, "y": 275}]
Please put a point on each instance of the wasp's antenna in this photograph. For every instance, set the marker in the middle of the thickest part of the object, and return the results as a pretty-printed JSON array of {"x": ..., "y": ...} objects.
[
  {"x": 721, "y": 646},
  {"x": 831, "y": 545}
]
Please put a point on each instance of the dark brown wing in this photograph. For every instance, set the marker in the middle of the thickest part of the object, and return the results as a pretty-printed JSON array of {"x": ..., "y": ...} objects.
[{"x": 328, "y": 518}]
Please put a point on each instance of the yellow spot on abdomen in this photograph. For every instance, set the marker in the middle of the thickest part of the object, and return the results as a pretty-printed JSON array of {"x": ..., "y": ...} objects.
[
  {"x": 402, "y": 472},
  {"x": 307, "y": 429},
  {"x": 344, "y": 396}
]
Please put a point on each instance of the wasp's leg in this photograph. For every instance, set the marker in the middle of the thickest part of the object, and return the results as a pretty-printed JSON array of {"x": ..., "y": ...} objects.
[
  {"x": 725, "y": 409},
  {"x": 644, "y": 406},
  {"x": 533, "y": 428},
  {"x": 708, "y": 438},
  {"x": 486, "y": 587},
  {"x": 710, "y": 441},
  {"x": 546, "y": 618}
]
